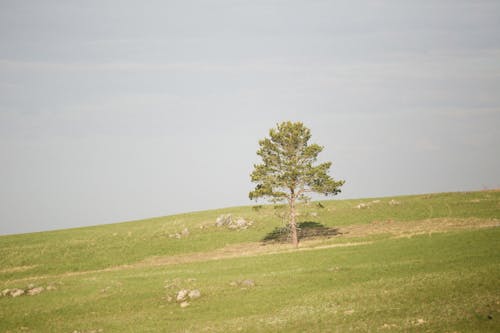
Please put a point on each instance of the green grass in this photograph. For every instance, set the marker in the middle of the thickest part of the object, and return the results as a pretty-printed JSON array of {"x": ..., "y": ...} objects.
[{"x": 441, "y": 282}]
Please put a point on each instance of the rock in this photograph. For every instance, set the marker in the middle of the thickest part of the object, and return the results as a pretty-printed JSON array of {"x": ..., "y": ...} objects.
[
  {"x": 362, "y": 205},
  {"x": 182, "y": 295},
  {"x": 194, "y": 294},
  {"x": 16, "y": 292},
  {"x": 51, "y": 287},
  {"x": 223, "y": 220},
  {"x": 248, "y": 283},
  {"x": 389, "y": 326},
  {"x": 232, "y": 226},
  {"x": 233, "y": 284},
  {"x": 35, "y": 291},
  {"x": 5, "y": 292},
  {"x": 184, "y": 304},
  {"x": 185, "y": 232},
  {"x": 241, "y": 223},
  {"x": 420, "y": 321},
  {"x": 31, "y": 286},
  {"x": 228, "y": 222},
  {"x": 394, "y": 202}
]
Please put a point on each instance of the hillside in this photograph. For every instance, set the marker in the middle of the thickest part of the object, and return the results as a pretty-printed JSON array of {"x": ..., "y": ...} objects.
[{"x": 413, "y": 263}]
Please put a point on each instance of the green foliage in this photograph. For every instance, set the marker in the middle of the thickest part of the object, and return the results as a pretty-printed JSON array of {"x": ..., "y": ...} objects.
[{"x": 287, "y": 170}]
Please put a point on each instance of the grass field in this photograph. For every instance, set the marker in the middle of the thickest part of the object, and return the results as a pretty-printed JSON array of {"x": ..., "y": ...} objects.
[{"x": 425, "y": 263}]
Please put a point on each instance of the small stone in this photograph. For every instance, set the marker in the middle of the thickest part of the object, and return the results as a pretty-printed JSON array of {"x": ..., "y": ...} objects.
[
  {"x": 35, "y": 291},
  {"x": 185, "y": 232},
  {"x": 31, "y": 286},
  {"x": 394, "y": 202},
  {"x": 51, "y": 287},
  {"x": 241, "y": 223},
  {"x": 194, "y": 294},
  {"x": 233, "y": 284},
  {"x": 182, "y": 295},
  {"x": 349, "y": 312},
  {"x": 248, "y": 283},
  {"x": 16, "y": 292},
  {"x": 184, "y": 304},
  {"x": 5, "y": 292}
]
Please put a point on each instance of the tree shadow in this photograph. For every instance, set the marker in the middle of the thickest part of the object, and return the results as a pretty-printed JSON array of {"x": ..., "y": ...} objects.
[{"x": 305, "y": 230}]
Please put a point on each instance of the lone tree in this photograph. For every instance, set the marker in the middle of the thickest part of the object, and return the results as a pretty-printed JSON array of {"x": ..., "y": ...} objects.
[{"x": 287, "y": 172}]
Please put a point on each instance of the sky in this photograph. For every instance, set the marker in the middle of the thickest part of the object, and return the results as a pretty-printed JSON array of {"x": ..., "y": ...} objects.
[{"x": 121, "y": 110}]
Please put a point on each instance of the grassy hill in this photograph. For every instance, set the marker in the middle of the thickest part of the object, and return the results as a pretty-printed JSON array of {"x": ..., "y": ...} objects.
[{"x": 413, "y": 263}]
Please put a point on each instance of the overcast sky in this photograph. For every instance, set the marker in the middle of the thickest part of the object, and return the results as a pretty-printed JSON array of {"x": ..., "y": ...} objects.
[{"x": 116, "y": 110}]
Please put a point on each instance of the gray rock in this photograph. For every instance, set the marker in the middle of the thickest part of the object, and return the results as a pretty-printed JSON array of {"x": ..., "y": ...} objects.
[
  {"x": 241, "y": 223},
  {"x": 16, "y": 292},
  {"x": 224, "y": 220},
  {"x": 194, "y": 294},
  {"x": 228, "y": 222},
  {"x": 362, "y": 205},
  {"x": 248, "y": 283},
  {"x": 182, "y": 295},
  {"x": 35, "y": 291}
]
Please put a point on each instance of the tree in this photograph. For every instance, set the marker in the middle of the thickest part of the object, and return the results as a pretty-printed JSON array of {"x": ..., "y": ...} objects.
[{"x": 288, "y": 173}]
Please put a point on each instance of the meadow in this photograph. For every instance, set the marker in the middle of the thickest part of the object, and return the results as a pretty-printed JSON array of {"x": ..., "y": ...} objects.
[{"x": 421, "y": 263}]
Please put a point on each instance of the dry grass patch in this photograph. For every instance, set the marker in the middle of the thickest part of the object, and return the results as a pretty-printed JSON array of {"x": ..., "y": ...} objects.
[{"x": 411, "y": 228}]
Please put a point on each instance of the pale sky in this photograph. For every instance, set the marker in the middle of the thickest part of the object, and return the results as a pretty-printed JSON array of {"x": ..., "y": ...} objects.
[{"x": 117, "y": 110}]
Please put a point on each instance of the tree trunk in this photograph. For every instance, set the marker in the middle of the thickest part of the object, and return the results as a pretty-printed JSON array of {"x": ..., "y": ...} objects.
[{"x": 293, "y": 223}]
